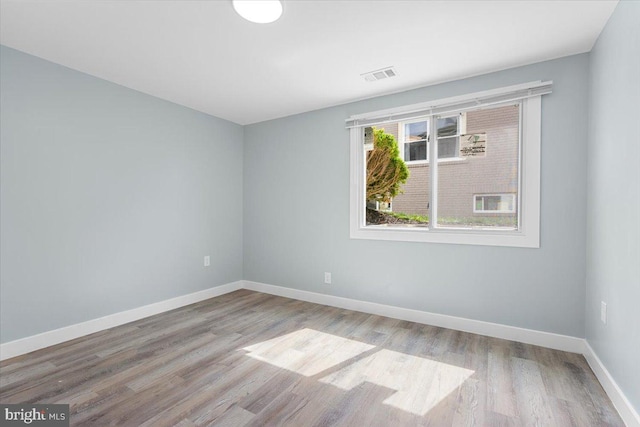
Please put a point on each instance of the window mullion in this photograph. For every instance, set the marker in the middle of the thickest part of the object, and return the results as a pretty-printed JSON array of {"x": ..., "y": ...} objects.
[
  {"x": 401, "y": 138},
  {"x": 521, "y": 189},
  {"x": 432, "y": 144}
]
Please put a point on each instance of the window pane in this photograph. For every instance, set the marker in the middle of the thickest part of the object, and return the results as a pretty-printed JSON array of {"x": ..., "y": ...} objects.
[
  {"x": 368, "y": 139},
  {"x": 415, "y": 151},
  {"x": 510, "y": 205},
  {"x": 408, "y": 207},
  {"x": 415, "y": 141},
  {"x": 415, "y": 131},
  {"x": 412, "y": 205},
  {"x": 448, "y": 126},
  {"x": 482, "y": 191},
  {"x": 447, "y": 147},
  {"x": 492, "y": 203}
]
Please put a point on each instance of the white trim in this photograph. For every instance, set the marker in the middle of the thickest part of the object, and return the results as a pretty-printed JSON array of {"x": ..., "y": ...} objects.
[
  {"x": 527, "y": 336},
  {"x": 357, "y": 175},
  {"x": 453, "y": 104},
  {"x": 453, "y": 160},
  {"x": 416, "y": 162},
  {"x": 444, "y": 160},
  {"x": 529, "y": 197},
  {"x": 627, "y": 412},
  {"x": 57, "y": 336},
  {"x": 433, "y": 177}
]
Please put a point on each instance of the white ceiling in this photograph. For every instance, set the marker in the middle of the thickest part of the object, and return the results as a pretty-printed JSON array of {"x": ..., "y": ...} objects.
[{"x": 201, "y": 54}]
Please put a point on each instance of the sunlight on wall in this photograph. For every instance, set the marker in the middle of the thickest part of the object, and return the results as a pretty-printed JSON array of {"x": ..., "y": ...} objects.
[
  {"x": 306, "y": 351},
  {"x": 420, "y": 383}
]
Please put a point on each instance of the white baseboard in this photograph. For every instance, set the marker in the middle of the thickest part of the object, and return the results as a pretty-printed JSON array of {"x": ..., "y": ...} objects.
[
  {"x": 620, "y": 401},
  {"x": 57, "y": 336},
  {"x": 527, "y": 336}
]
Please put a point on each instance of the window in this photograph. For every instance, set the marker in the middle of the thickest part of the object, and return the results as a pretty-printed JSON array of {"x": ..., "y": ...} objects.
[
  {"x": 494, "y": 203},
  {"x": 448, "y": 137},
  {"x": 414, "y": 140},
  {"x": 488, "y": 195}
]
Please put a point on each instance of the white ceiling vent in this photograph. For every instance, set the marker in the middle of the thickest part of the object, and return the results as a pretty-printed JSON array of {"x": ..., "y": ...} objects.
[{"x": 384, "y": 73}]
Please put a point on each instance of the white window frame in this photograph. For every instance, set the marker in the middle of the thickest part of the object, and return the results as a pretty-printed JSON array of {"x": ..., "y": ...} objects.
[
  {"x": 513, "y": 198},
  {"x": 437, "y": 138},
  {"x": 528, "y": 233},
  {"x": 402, "y": 135},
  {"x": 401, "y": 142}
]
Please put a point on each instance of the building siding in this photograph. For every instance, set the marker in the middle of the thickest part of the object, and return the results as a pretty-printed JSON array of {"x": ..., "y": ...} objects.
[{"x": 460, "y": 179}]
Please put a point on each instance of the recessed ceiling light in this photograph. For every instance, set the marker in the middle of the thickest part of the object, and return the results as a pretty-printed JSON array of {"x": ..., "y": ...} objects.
[{"x": 258, "y": 11}]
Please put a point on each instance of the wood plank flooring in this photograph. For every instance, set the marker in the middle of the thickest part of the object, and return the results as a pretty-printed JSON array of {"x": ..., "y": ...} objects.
[{"x": 253, "y": 359}]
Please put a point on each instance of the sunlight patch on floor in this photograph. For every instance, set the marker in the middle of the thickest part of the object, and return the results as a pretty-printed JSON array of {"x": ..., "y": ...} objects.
[
  {"x": 307, "y": 351},
  {"x": 420, "y": 383}
]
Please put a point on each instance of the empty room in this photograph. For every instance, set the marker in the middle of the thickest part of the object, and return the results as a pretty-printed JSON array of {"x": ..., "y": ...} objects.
[{"x": 319, "y": 213}]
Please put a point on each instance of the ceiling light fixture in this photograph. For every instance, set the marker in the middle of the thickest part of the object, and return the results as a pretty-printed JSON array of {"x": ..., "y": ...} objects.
[{"x": 258, "y": 11}]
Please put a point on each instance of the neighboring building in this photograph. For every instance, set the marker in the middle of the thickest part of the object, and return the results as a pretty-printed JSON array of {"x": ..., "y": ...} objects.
[{"x": 477, "y": 166}]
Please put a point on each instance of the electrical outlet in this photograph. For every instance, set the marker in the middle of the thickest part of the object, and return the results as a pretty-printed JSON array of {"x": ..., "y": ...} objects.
[
  {"x": 603, "y": 312},
  {"x": 207, "y": 261},
  {"x": 327, "y": 278}
]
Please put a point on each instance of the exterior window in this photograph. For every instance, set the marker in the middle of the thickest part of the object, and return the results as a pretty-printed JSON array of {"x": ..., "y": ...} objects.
[
  {"x": 414, "y": 139},
  {"x": 487, "y": 192},
  {"x": 448, "y": 137},
  {"x": 414, "y": 142},
  {"x": 494, "y": 203}
]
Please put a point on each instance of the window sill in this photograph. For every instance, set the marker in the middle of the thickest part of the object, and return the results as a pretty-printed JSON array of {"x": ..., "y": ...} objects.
[
  {"x": 416, "y": 162},
  {"x": 494, "y": 212},
  {"x": 448, "y": 160},
  {"x": 453, "y": 160},
  {"x": 455, "y": 236}
]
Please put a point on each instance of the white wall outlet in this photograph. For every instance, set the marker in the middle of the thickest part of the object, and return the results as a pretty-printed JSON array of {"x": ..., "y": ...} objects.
[
  {"x": 207, "y": 261},
  {"x": 603, "y": 312},
  {"x": 327, "y": 278}
]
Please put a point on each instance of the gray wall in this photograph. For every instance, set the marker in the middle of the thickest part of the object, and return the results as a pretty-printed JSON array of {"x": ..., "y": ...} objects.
[
  {"x": 296, "y": 216},
  {"x": 109, "y": 198},
  {"x": 613, "y": 232}
]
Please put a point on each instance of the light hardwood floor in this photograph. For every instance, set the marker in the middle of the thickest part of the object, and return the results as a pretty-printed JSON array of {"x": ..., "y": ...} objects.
[{"x": 248, "y": 358}]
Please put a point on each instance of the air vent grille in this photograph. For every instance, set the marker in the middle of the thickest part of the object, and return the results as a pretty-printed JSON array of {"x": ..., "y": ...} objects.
[{"x": 376, "y": 75}]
